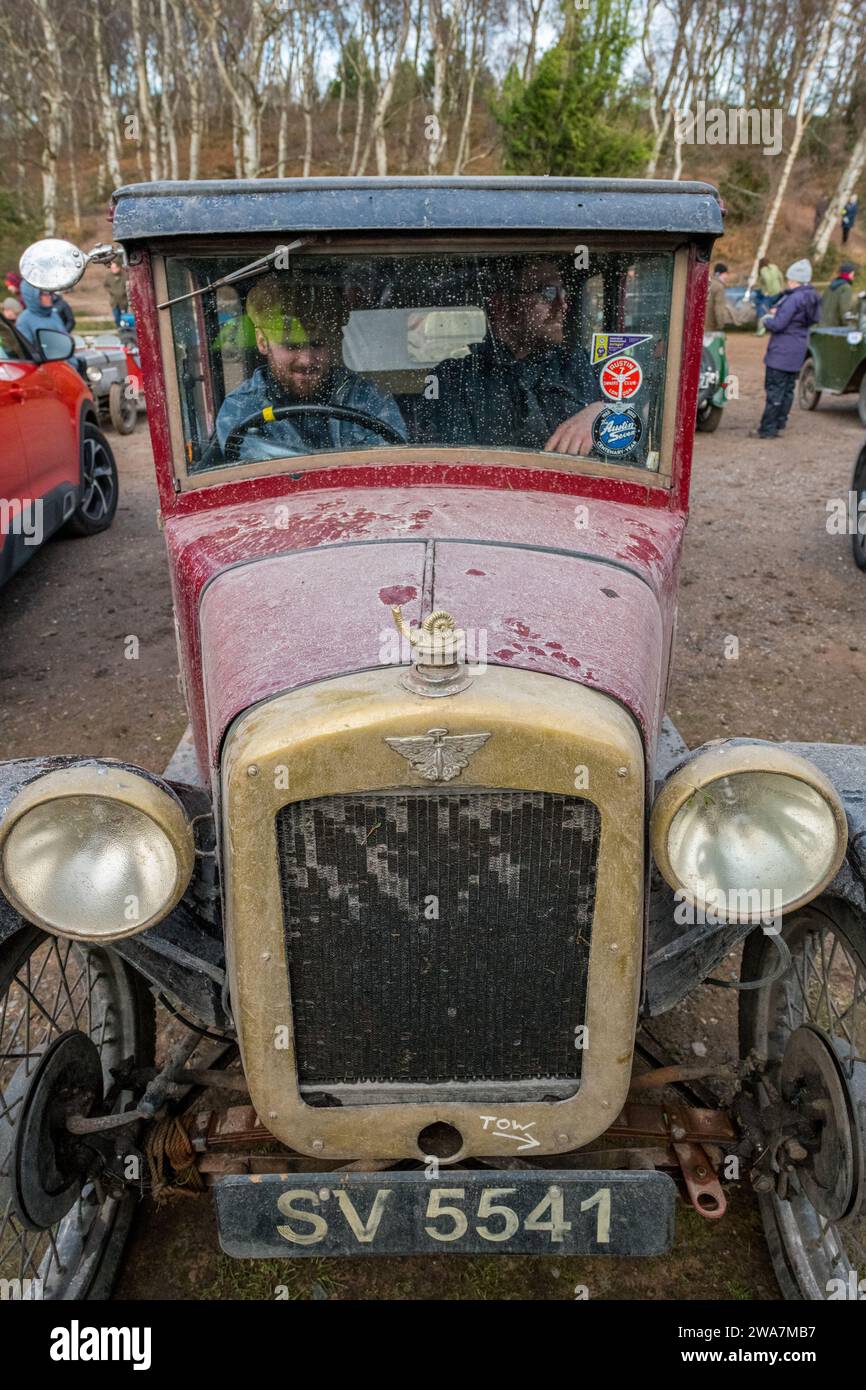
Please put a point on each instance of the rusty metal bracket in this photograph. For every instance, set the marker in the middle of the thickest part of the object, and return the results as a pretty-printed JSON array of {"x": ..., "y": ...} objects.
[{"x": 701, "y": 1180}]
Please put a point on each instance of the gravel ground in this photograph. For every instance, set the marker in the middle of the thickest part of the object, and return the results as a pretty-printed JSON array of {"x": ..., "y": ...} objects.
[{"x": 760, "y": 566}]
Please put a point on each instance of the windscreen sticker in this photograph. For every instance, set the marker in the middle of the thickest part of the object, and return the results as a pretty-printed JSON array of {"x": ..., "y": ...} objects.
[
  {"x": 606, "y": 345},
  {"x": 615, "y": 432},
  {"x": 620, "y": 378}
]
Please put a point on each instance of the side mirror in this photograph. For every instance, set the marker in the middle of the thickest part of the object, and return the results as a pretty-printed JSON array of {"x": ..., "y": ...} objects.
[
  {"x": 57, "y": 265},
  {"x": 54, "y": 346}
]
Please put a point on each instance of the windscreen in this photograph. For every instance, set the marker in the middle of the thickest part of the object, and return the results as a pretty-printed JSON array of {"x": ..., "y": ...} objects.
[{"x": 556, "y": 354}]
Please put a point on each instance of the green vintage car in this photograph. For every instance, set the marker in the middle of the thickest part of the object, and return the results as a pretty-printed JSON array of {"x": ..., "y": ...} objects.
[{"x": 836, "y": 363}]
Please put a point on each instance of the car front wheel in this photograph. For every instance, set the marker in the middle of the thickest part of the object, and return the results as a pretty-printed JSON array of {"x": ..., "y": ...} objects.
[
  {"x": 709, "y": 418},
  {"x": 99, "y": 488},
  {"x": 73, "y": 1019},
  {"x": 808, "y": 394},
  {"x": 861, "y": 401},
  {"x": 810, "y": 1026},
  {"x": 858, "y": 485}
]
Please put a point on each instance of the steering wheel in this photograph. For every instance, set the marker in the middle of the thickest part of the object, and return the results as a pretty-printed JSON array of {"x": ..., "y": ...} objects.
[{"x": 270, "y": 413}]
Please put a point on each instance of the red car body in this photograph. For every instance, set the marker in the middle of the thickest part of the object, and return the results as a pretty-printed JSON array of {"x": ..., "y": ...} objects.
[
  {"x": 43, "y": 409},
  {"x": 631, "y": 544}
]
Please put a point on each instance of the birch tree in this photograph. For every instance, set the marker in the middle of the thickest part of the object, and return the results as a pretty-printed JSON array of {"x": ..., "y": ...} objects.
[{"x": 803, "y": 114}]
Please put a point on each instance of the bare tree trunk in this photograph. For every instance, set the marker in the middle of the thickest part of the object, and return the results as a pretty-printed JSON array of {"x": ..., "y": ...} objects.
[
  {"x": 169, "y": 94},
  {"x": 282, "y": 132},
  {"x": 51, "y": 106},
  {"x": 479, "y": 34},
  {"x": 73, "y": 175},
  {"x": 308, "y": 86},
  {"x": 535, "y": 8},
  {"x": 801, "y": 120},
  {"x": 844, "y": 188},
  {"x": 385, "y": 87},
  {"x": 110, "y": 142},
  {"x": 145, "y": 111},
  {"x": 443, "y": 28}
]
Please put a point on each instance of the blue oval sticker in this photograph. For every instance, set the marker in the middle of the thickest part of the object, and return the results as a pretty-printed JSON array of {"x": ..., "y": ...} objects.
[{"x": 615, "y": 431}]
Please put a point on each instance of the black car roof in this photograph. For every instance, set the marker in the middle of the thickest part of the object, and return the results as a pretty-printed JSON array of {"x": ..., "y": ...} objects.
[{"x": 151, "y": 210}]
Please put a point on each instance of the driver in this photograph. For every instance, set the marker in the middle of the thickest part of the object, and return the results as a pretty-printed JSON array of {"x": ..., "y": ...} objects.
[
  {"x": 298, "y": 331},
  {"x": 521, "y": 388}
]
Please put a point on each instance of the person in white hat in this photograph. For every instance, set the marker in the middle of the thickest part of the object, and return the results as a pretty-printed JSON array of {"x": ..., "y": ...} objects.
[{"x": 788, "y": 325}]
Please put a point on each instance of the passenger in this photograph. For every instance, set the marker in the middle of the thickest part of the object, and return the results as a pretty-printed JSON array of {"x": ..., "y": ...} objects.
[
  {"x": 521, "y": 388},
  {"x": 298, "y": 331}
]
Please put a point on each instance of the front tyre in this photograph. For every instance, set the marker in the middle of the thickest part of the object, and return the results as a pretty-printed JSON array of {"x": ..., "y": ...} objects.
[
  {"x": 811, "y": 1027},
  {"x": 99, "y": 486},
  {"x": 709, "y": 418},
  {"x": 808, "y": 394},
  {"x": 858, "y": 485},
  {"x": 861, "y": 401},
  {"x": 65, "y": 1008},
  {"x": 122, "y": 409}
]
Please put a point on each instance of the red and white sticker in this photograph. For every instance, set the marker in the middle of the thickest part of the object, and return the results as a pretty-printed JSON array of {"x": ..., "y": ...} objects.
[{"x": 621, "y": 378}]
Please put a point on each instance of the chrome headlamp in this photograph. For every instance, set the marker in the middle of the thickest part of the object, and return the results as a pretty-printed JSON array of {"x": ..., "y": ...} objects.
[
  {"x": 748, "y": 831},
  {"x": 95, "y": 852},
  {"x": 94, "y": 374}
]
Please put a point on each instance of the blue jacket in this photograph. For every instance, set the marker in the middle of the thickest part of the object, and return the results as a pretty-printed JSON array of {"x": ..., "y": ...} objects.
[
  {"x": 35, "y": 315},
  {"x": 796, "y": 311},
  {"x": 309, "y": 434}
]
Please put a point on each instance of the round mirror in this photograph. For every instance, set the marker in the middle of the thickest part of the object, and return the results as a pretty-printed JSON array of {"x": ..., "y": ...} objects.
[{"x": 52, "y": 264}]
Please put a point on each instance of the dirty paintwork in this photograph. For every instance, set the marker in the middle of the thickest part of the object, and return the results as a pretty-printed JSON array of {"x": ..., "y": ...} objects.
[{"x": 539, "y": 580}]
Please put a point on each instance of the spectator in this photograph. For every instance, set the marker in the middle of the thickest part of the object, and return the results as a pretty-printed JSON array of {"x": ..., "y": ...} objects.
[
  {"x": 39, "y": 312},
  {"x": 720, "y": 314},
  {"x": 12, "y": 281},
  {"x": 770, "y": 285},
  {"x": 837, "y": 302},
  {"x": 849, "y": 216},
  {"x": 115, "y": 284},
  {"x": 10, "y": 309},
  {"x": 788, "y": 325},
  {"x": 64, "y": 312}
]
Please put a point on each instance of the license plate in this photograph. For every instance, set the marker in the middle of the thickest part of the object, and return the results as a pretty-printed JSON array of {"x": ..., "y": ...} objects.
[{"x": 471, "y": 1212}]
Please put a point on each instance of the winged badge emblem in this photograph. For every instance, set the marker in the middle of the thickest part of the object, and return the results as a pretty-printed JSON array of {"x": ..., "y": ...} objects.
[{"x": 438, "y": 755}]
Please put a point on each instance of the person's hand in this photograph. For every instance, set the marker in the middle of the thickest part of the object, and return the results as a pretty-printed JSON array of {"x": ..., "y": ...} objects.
[{"x": 574, "y": 435}]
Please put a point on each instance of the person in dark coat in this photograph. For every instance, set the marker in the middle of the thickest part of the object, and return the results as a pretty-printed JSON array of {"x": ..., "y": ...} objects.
[
  {"x": 788, "y": 325},
  {"x": 837, "y": 303},
  {"x": 521, "y": 388},
  {"x": 849, "y": 217}
]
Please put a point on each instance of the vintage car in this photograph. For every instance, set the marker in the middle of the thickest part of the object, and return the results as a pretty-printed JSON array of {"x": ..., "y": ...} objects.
[
  {"x": 111, "y": 364},
  {"x": 712, "y": 382},
  {"x": 836, "y": 363},
  {"x": 431, "y": 853}
]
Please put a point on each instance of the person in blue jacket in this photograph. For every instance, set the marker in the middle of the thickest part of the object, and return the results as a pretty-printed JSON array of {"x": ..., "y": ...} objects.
[
  {"x": 40, "y": 311},
  {"x": 298, "y": 331}
]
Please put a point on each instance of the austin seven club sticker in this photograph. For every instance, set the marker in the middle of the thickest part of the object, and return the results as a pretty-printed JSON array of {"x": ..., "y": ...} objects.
[
  {"x": 605, "y": 345},
  {"x": 620, "y": 378},
  {"x": 615, "y": 432}
]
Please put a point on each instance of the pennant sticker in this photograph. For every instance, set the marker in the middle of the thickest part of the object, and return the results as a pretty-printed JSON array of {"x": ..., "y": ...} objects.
[{"x": 606, "y": 345}]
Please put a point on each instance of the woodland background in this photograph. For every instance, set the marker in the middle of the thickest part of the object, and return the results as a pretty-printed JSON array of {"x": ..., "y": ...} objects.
[{"x": 95, "y": 94}]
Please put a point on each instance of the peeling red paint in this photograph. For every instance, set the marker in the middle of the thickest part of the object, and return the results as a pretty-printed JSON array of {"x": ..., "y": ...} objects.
[{"x": 398, "y": 594}]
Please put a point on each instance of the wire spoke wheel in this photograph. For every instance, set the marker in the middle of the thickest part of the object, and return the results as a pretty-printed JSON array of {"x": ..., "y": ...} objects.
[
  {"x": 53, "y": 992},
  {"x": 816, "y": 1013}
]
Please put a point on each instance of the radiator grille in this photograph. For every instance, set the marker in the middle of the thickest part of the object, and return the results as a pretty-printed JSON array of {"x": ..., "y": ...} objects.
[{"x": 491, "y": 988}]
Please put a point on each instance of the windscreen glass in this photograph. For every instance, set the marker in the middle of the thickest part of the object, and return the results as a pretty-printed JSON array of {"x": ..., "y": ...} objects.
[{"x": 534, "y": 352}]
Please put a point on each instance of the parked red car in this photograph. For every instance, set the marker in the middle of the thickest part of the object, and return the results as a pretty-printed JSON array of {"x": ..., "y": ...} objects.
[{"x": 56, "y": 466}]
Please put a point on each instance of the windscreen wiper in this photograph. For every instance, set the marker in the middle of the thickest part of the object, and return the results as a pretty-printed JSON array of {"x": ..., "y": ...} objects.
[{"x": 252, "y": 269}]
